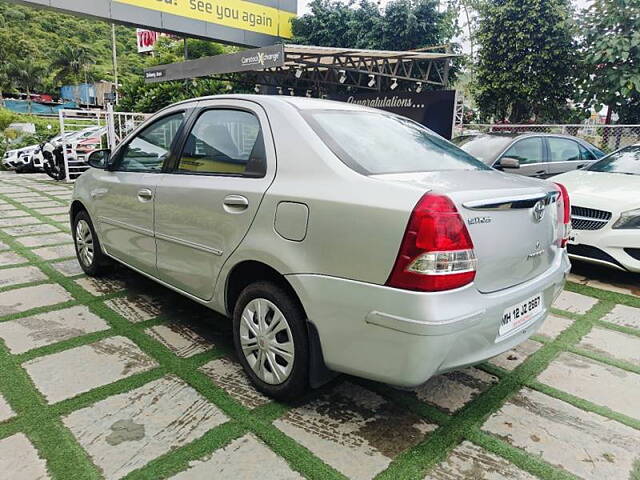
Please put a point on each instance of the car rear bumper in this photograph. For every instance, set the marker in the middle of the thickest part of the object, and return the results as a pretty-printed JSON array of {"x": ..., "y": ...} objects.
[
  {"x": 403, "y": 338},
  {"x": 614, "y": 248}
]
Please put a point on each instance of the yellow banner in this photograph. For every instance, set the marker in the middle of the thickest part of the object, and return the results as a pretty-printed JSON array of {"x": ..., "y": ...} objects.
[{"x": 230, "y": 13}]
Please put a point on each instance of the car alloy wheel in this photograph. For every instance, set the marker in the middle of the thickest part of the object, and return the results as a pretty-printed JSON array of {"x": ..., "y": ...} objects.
[
  {"x": 84, "y": 242},
  {"x": 266, "y": 341}
]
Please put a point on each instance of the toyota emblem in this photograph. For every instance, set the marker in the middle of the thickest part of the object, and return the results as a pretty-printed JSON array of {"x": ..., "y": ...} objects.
[{"x": 538, "y": 211}]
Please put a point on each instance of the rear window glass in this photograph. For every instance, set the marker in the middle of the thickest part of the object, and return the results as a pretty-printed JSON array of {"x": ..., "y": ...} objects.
[
  {"x": 485, "y": 147},
  {"x": 377, "y": 143}
]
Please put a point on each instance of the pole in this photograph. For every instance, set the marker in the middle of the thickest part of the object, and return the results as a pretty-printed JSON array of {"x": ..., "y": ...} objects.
[
  {"x": 186, "y": 49},
  {"x": 114, "y": 53}
]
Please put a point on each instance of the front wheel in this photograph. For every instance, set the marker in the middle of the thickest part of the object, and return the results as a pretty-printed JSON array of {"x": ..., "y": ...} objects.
[
  {"x": 92, "y": 261},
  {"x": 270, "y": 337}
]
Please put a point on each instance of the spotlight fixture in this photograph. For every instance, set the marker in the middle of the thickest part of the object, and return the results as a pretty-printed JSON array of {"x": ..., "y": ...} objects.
[
  {"x": 279, "y": 90},
  {"x": 291, "y": 92},
  {"x": 229, "y": 87},
  {"x": 298, "y": 72},
  {"x": 418, "y": 87},
  {"x": 308, "y": 94},
  {"x": 394, "y": 84},
  {"x": 343, "y": 76},
  {"x": 372, "y": 80},
  {"x": 256, "y": 88}
]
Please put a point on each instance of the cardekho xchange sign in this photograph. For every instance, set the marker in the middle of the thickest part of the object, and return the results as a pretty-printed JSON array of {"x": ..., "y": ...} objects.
[{"x": 239, "y": 14}]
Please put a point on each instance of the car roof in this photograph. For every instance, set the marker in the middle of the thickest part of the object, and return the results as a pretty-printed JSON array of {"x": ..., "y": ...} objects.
[
  {"x": 515, "y": 135},
  {"x": 301, "y": 103}
]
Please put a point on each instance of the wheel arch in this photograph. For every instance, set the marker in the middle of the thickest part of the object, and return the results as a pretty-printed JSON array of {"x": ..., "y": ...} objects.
[
  {"x": 75, "y": 208},
  {"x": 250, "y": 271}
]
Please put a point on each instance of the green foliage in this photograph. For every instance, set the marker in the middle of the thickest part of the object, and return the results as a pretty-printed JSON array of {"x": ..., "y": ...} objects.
[
  {"x": 402, "y": 25},
  {"x": 72, "y": 64},
  {"x": 43, "y": 35},
  {"x": 611, "y": 47},
  {"x": 137, "y": 96},
  {"x": 527, "y": 60}
]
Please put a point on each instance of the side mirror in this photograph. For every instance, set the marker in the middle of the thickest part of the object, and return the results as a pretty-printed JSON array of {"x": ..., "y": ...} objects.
[
  {"x": 100, "y": 159},
  {"x": 509, "y": 162}
]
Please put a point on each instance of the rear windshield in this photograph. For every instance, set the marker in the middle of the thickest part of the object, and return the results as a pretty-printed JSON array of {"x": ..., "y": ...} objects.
[
  {"x": 625, "y": 161},
  {"x": 485, "y": 147},
  {"x": 374, "y": 143}
]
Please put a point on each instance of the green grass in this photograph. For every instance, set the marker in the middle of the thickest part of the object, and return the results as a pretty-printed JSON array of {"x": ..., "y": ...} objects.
[{"x": 66, "y": 459}]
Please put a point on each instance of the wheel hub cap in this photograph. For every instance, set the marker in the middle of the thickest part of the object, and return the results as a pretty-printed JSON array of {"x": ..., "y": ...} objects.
[
  {"x": 84, "y": 243},
  {"x": 266, "y": 341}
]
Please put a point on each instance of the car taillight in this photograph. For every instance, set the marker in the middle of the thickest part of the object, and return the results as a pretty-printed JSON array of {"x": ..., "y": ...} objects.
[
  {"x": 564, "y": 215},
  {"x": 436, "y": 252}
]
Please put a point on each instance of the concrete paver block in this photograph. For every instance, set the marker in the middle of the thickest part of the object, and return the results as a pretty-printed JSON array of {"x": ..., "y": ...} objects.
[
  {"x": 354, "y": 430},
  {"x": 125, "y": 432},
  {"x": 596, "y": 382},
  {"x": 574, "y": 302},
  {"x": 24, "y": 334},
  {"x": 27, "y": 298},
  {"x": 229, "y": 375},
  {"x": 583, "y": 443},
  {"x": 69, "y": 373},
  {"x": 516, "y": 356},
  {"x": 20, "y": 460}
]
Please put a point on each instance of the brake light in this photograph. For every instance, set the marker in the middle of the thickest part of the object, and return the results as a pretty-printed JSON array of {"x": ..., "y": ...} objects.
[
  {"x": 564, "y": 215},
  {"x": 436, "y": 253}
]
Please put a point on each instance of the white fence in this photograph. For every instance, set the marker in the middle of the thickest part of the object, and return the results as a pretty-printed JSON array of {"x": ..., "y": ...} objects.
[
  {"x": 87, "y": 130},
  {"x": 606, "y": 137}
]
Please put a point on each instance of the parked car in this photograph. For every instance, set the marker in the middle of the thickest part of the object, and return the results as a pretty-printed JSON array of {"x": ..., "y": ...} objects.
[
  {"x": 10, "y": 159},
  {"x": 606, "y": 210},
  {"x": 25, "y": 161},
  {"x": 538, "y": 155},
  {"x": 375, "y": 248}
]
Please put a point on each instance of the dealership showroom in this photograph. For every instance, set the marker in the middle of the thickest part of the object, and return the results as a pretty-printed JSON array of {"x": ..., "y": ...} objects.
[{"x": 321, "y": 239}]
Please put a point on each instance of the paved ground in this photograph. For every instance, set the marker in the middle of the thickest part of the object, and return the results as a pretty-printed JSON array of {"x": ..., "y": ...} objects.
[{"x": 122, "y": 378}]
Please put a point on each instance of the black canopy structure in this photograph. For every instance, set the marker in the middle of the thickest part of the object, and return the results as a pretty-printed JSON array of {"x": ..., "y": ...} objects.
[{"x": 317, "y": 70}]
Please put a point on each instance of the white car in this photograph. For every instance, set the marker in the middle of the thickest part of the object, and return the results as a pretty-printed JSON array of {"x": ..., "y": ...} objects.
[
  {"x": 605, "y": 210},
  {"x": 25, "y": 159},
  {"x": 10, "y": 159}
]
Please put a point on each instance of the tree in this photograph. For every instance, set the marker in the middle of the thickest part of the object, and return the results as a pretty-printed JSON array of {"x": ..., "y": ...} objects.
[
  {"x": 28, "y": 75},
  {"x": 527, "y": 60},
  {"x": 72, "y": 63},
  {"x": 402, "y": 25},
  {"x": 611, "y": 46}
]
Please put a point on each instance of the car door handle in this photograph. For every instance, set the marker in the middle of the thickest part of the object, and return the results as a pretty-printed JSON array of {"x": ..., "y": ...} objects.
[
  {"x": 541, "y": 172},
  {"x": 145, "y": 194},
  {"x": 235, "y": 203},
  {"x": 579, "y": 167}
]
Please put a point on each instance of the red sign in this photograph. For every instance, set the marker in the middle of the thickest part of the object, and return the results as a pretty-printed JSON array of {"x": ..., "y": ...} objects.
[{"x": 146, "y": 40}]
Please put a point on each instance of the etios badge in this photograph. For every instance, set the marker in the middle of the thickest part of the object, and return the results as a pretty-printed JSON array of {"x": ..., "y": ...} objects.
[{"x": 538, "y": 211}]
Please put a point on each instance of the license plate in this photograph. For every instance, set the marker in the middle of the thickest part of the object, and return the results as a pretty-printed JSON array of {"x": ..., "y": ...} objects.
[{"x": 519, "y": 314}]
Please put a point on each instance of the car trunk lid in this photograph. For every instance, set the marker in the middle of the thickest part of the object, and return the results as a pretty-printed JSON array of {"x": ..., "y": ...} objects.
[{"x": 512, "y": 221}]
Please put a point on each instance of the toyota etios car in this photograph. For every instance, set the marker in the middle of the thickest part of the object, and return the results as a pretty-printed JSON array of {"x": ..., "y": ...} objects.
[{"x": 339, "y": 238}]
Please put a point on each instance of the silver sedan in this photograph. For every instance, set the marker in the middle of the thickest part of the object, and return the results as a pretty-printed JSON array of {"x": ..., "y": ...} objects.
[{"x": 339, "y": 238}]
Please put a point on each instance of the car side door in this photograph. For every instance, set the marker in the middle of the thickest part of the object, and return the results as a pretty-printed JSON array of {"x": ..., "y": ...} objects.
[
  {"x": 207, "y": 202},
  {"x": 123, "y": 196},
  {"x": 565, "y": 155},
  {"x": 531, "y": 153}
]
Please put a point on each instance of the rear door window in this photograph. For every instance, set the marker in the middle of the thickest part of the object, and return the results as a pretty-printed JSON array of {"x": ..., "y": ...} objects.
[
  {"x": 563, "y": 150},
  {"x": 224, "y": 142},
  {"x": 527, "y": 151},
  {"x": 377, "y": 143}
]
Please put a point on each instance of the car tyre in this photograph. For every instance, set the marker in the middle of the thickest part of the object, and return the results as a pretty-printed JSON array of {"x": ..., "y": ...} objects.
[
  {"x": 88, "y": 250},
  {"x": 270, "y": 337}
]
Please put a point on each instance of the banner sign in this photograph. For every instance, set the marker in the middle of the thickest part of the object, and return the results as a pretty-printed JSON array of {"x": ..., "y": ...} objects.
[
  {"x": 247, "y": 60},
  {"x": 231, "y": 13},
  {"x": 147, "y": 40},
  {"x": 248, "y": 23},
  {"x": 433, "y": 109}
]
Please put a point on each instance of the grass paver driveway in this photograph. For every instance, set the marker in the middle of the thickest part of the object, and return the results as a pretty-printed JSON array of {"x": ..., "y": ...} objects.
[{"x": 119, "y": 377}]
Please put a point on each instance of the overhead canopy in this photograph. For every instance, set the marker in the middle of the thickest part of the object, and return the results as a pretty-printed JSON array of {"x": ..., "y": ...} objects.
[{"x": 310, "y": 67}]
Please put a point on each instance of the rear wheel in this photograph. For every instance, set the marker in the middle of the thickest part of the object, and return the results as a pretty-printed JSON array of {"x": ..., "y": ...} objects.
[
  {"x": 88, "y": 250},
  {"x": 271, "y": 340}
]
